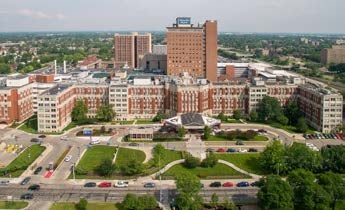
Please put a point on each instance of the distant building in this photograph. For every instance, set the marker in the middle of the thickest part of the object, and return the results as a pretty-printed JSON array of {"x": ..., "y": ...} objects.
[
  {"x": 192, "y": 49},
  {"x": 159, "y": 49},
  {"x": 91, "y": 62},
  {"x": 340, "y": 41},
  {"x": 131, "y": 48},
  {"x": 153, "y": 62},
  {"x": 336, "y": 54}
]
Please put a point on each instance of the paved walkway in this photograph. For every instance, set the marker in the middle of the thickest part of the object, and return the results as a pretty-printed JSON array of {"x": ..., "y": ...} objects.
[
  {"x": 254, "y": 176},
  {"x": 196, "y": 147}
]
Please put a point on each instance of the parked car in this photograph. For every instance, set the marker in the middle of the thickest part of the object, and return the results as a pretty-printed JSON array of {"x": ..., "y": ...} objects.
[
  {"x": 68, "y": 158},
  {"x": 25, "y": 181},
  {"x": 4, "y": 183},
  {"x": 262, "y": 131},
  {"x": 210, "y": 150},
  {"x": 121, "y": 184},
  {"x": 65, "y": 138},
  {"x": 239, "y": 143},
  {"x": 231, "y": 150},
  {"x": 201, "y": 185},
  {"x": 133, "y": 144},
  {"x": 215, "y": 184},
  {"x": 104, "y": 184},
  {"x": 221, "y": 150},
  {"x": 255, "y": 184},
  {"x": 95, "y": 141},
  {"x": 252, "y": 150},
  {"x": 38, "y": 169},
  {"x": 35, "y": 140},
  {"x": 149, "y": 185},
  {"x": 228, "y": 184},
  {"x": 242, "y": 184},
  {"x": 90, "y": 184},
  {"x": 242, "y": 150},
  {"x": 34, "y": 187},
  {"x": 27, "y": 196}
]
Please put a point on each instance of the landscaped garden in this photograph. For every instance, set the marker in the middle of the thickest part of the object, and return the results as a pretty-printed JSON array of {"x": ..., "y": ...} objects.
[
  {"x": 23, "y": 161},
  {"x": 237, "y": 135},
  {"x": 219, "y": 171},
  {"x": 128, "y": 164},
  {"x": 246, "y": 161},
  {"x": 13, "y": 204},
  {"x": 90, "y": 206},
  {"x": 92, "y": 159}
]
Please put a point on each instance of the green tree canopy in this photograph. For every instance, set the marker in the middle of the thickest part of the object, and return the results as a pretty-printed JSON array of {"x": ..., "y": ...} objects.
[
  {"x": 5, "y": 68},
  {"x": 275, "y": 194},
  {"x": 333, "y": 158},
  {"x": 272, "y": 159},
  {"x": 292, "y": 112},
  {"x": 132, "y": 167},
  {"x": 237, "y": 114},
  {"x": 106, "y": 168},
  {"x": 269, "y": 109},
  {"x": 302, "y": 125},
  {"x": 106, "y": 113},
  {"x": 334, "y": 184},
  {"x": 188, "y": 187},
  {"x": 159, "y": 116},
  {"x": 207, "y": 132},
  {"x": 79, "y": 112},
  {"x": 181, "y": 131},
  {"x": 253, "y": 115}
]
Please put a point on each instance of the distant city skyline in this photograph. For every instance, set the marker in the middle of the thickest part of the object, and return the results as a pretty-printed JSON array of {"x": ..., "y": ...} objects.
[{"x": 261, "y": 16}]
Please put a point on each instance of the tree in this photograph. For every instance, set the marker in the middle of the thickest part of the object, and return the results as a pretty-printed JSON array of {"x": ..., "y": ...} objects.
[
  {"x": 79, "y": 112},
  {"x": 214, "y": 200},
  {"x": 269, "y": 108},
  {"x": 81, "y": 205},
  {"x": 210, "y": 161},
  {"x": 106, "y": 168},
  {"x": 333, "y": 158},
  {"x": 300, "y": 156},
  {"x": 292, "y": 112},
  {"x": 301, "y": 125},
  {"x": 106, "y": 113},
  {"x": 253, "y": 115},
  {"x": 272, "y": 158},
  {"x": 282, "y": 119},
  {"x": 275, "y": 193},
  {"x": 129, "y": 202},
  {"x": 132, "y": 167},
  {"x": 307, "y": 193},
  {"x": 188, "y": 187},
  {"x": 191, "y": 162},
  {"x": 334, "y": 184},
  {"x": 146, "y": 202},
  {"x": 158, "y": 154},
  {"x": 237, "y": 114},
  {"x": 181, "y": 132},
  {"x": 207, "y": 132},
  {"x": 222, "y": 117},
  {"x": 159, "y": 117},
  {"x": 5, "y": 68},
  {"x": 228, "y": 205}
]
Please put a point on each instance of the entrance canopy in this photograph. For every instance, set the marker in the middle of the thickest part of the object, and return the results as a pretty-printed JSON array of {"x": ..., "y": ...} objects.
[{"x": 192, "y": 121}]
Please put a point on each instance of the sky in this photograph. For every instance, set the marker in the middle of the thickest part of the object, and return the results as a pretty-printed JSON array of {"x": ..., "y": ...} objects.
[{"x": 262, "y": 16}]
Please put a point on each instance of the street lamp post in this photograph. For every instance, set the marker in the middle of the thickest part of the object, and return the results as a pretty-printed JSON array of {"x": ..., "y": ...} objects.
[{"x": 73, "y": 170}]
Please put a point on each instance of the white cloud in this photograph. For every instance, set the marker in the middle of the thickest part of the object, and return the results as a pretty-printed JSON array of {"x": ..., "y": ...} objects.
[{"x": 40, "y": 15}]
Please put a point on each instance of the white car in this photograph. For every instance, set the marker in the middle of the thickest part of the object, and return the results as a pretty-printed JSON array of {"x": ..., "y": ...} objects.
[
  {"x": 121, "y": 184},
  {"x": 242, "y": 150},
  {"x": 64, "y": 138},
  {"x": 68, "y": 158},
  {"x": 95, "y": 141}
]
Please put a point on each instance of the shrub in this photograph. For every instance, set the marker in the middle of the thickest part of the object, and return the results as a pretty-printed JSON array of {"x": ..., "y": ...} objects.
[
  {"x": 191, "y": 162},
  {"x": 210, "y": 161},
  {"x": 81, "y": 205}
]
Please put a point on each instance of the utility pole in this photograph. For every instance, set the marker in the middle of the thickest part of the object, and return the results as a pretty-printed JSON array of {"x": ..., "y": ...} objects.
[{"x": 73, "y": 166}]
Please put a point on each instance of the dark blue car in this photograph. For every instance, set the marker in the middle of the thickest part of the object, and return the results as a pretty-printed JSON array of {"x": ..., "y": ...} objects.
[
  {"x": 231, "y": 150},
  {"x": 242, "y": 184}
]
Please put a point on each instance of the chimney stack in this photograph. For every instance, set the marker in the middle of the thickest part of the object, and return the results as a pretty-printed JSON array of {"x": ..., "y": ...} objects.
[
  {"x": 55, "y": 67},
  {"x": 64, "y": 67}
]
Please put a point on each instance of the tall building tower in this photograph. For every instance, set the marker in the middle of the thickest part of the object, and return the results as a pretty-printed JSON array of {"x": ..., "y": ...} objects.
[
  {"x": 131, "y": 48},
  {"x": 192, "y": 49}
]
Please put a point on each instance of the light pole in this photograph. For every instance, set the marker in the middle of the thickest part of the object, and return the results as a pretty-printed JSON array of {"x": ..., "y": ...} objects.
[{"x": 73, "y": 166}]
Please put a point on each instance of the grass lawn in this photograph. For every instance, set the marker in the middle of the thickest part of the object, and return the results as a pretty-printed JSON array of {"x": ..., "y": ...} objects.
[
  {"x": 246, "y": 161},
  {"x": 23, "y": 161},
  {"x": 70, "y": 126},
  {"x": 93, "y": 157},
  {"x": 219, "y": 138},
  {"x": 90, "y": 206},
  {"x": 145, "y": 122},
  {"x": 125, "y": 155},
  {"x": 219, "y": 171},
  {"x": 13, "y": 204},
  {"x": 169, "y": 157}
]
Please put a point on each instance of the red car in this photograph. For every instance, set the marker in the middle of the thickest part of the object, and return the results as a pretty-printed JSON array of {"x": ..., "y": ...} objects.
[
  {"x": 221, "y": 150},
  {"x": 228, "y": 184},
  {"x": 104, "y": 184}
]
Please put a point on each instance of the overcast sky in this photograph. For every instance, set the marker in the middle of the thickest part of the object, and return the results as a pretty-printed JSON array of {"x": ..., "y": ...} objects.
[{"x": 294, "y": 16}]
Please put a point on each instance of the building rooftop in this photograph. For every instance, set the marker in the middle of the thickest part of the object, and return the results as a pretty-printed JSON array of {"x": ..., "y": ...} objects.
[{"x": 58, "y": 88}]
